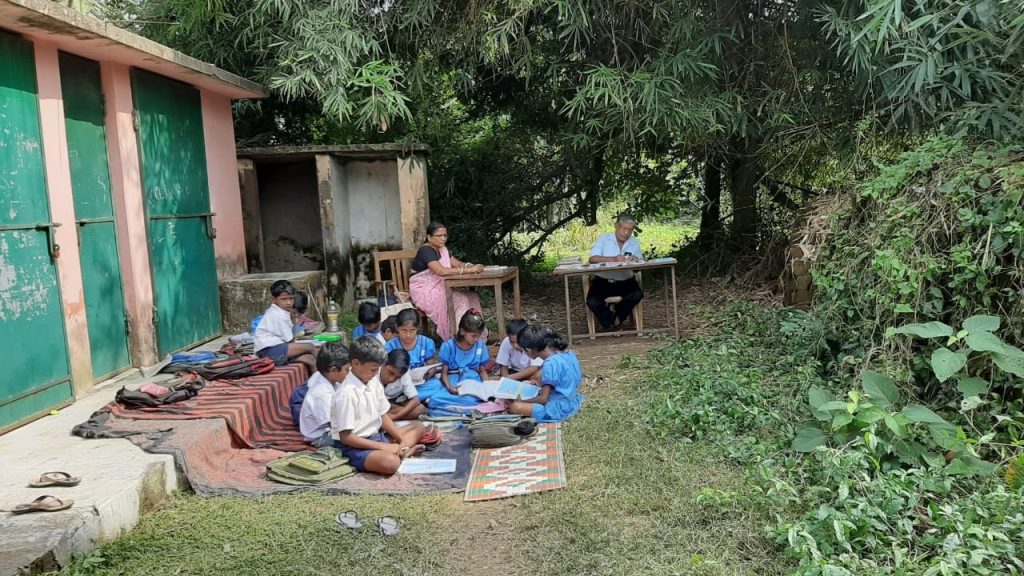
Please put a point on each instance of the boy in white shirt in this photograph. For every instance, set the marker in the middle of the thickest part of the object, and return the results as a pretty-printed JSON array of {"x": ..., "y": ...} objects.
[
  {"x": 399, "y": 388},
  {"x": 315, "y": 416},
  {"x": 274, "y": 333},
  {"x": 515, "y": 363},
  {"x": 359, "y": 415}
]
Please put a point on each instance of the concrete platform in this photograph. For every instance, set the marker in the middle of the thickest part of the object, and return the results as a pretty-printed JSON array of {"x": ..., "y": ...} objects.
[{"x": 120, "y": 482}]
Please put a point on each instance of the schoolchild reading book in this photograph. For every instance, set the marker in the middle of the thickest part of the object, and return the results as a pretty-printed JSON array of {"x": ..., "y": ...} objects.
[
  {"x": 369, "y": 320},
  {"x": 420, "y": 348},
  {"x": 359, "y": 415},
  {"x": 389, "y": 329},
  {"x": 274, "y": 332},
  {"x": 513, "y": 362},
  {"x": 304, "y": 325},
  {"x": 398, "y": 387},
  {"x": 315, "y": 416},
  {"x": 559, "y": 397},
  {"x": 462, "y": 358}
]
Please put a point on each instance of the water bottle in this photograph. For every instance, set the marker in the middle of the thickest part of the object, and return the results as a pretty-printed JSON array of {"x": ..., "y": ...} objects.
[{"x": 332, "y": 317}]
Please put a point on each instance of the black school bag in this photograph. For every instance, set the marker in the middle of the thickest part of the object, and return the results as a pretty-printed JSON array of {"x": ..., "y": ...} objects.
[
  {"x": 183, "y": 387},
  {"x": 235, "y": 367}
]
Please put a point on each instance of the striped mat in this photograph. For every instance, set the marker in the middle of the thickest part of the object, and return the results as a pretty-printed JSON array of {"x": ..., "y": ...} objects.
[
  {"x": 533, "y": 466},
  {"x": 255, "y": 409}
]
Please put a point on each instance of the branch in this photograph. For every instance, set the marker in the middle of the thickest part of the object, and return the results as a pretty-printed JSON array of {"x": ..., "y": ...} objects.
[{"x": 540, "y": 240}]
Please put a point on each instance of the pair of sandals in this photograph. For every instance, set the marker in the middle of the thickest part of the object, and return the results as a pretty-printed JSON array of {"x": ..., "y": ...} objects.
[
  {"x": 48, "y": 503},
  {"x": 386, "y": 525}
]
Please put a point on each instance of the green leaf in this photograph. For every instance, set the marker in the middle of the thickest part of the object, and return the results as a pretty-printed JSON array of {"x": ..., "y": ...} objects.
[
  {"x": 984, "y": 342},
  {"x": 971, "y": 386},
  {"x": 841, "y": 419},
  {"x": 870, "y": 415},
  {"x": 934, "y": 460},
  {"x": 1011, "y": 363},
  {"x": 969, "y": 466},
  {"x": 817, "y": 397},
  {"x": 919, "y": 413},
  {"x": 946, "y": 436},
  {"x": 808, "y": 439},
  {"x": 898, "y": 428},
  {"x": 834, "y": 405},
  {"x": 981, "y": 323},
  {"x": 926, "y": 330},
  {"x": 880, "y": 388},
  {"x": 946, "y": 363}
]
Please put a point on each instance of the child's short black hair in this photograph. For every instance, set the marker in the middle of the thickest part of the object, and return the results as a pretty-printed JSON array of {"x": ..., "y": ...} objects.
[
  {"x": 389, "y": 325},
  {"x": 367, "y": 349},
  {"x": 398, "y": 358},
  {"x": 369, "y": 313},
  {"x": 331, "y": 355},
  {"x": 281, "y": 287},
  {"x": 407, "y": 316},
  {"x": 516, "y": 326},
  {"x": 471, "y": 321},
  {"x": 302, "y": 302},
  {"x": 537, "y": 338}
]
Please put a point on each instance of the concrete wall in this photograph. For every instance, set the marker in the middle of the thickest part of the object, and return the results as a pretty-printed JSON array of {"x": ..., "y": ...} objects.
[
  {"x": 225, "y": 199},
  {"x": 289, "y": 211},
  {"x": 375, "y": 211}
]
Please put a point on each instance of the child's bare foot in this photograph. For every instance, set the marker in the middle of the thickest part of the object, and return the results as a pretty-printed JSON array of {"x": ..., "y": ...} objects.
[{"x": 413, "y": 451}]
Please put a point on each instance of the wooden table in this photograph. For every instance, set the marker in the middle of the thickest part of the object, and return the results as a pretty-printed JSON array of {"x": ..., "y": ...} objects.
[
  {"x": 667, "y": 264},
  {"x": 493, "y": 276}
]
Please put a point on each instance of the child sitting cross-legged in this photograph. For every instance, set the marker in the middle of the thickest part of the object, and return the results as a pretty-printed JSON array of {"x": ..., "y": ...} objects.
[
  {"x": 462, "y": 358},
  {"x": 559, "y": 398},
  {"x": 398, "y": 387},
  {"x": 359, "y": 415},
  {"x": 315, "y": 416},
  {"x": 369, "y": 321},
  {"x": 274, "y": 332},
  {"x": 513, "y": 361}
]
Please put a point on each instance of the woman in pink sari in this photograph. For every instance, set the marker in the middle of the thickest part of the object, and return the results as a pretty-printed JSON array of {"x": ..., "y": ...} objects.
[{"x": 431, "y": 264}]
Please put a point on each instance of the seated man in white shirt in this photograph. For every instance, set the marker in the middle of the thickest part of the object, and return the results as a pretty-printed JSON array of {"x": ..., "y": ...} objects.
[{"x": 618, "y": 246}]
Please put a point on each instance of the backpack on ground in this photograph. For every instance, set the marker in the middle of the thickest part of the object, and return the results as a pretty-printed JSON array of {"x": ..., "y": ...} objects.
[
  {"x": 235, "y": 367},
  {"x": 501, "y": 433}
]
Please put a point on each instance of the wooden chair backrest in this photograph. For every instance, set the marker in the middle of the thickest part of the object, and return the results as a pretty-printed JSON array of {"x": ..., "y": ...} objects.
[{"x": 398, "y": 263}]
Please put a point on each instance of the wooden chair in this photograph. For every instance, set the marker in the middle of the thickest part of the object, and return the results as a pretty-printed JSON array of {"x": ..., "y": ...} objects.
[
  {"x": 399, "y": 267},
  {"x": 398, "y": 264},
  {"x": 638, "y": 311}
]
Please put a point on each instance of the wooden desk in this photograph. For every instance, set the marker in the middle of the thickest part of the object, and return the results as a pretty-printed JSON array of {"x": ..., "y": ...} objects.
[
  {"x": 493, "y": 276},
  {"x": 667, "y": 264}
]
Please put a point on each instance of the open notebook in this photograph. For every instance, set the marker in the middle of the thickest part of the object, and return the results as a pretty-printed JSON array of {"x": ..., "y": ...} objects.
[{"x": 504, "y": 389}]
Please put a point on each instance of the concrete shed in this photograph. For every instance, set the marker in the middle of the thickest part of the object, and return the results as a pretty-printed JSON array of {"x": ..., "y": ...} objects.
[
  {"x": 329, "y": 208},
  {"x": 119, "y": 202}
]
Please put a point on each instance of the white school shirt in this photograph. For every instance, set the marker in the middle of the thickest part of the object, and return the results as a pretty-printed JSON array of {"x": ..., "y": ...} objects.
[
  {"x": 607, "y": 245},
  {"x": 401, "y": 386},
  {"x": 358, "y": 407},
  {"x": 315, "y": 415},
  {"x": 515, "y": 360},
  {"x": 274, "y": 328}
]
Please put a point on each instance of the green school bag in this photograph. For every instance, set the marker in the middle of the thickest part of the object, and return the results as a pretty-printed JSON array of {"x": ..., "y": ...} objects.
[{"x": 310, "y": 468}]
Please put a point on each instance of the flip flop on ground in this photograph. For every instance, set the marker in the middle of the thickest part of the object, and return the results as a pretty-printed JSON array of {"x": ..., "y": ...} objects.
[
  {"x": 387, "y": 526},
  {"x": 55, "y": 479},
  {"x": 349, "y": 520},
  {"x": 44, "y": 503}
]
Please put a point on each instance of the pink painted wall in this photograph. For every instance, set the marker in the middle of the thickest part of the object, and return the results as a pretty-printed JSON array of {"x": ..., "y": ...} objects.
[
  {"x": 62, "y": 210},
  {"x": 225, "y": 197},
  {"x": 129, "y": 210}
]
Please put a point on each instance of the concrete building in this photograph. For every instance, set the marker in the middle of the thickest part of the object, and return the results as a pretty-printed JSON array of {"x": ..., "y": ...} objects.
[
  {"x": 308, "y": 208},
  {"x": 119, "y": 202}
]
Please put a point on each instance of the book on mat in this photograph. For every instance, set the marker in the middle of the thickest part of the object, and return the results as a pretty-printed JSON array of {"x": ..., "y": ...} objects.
[
  {"x": 419, "y": 374},
  {"x": 504, "y": 389},
  {"x": 427, "y": 466}
]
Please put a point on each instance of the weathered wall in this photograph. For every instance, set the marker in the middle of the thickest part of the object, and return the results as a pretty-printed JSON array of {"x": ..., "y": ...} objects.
[
  {"x": 245, "y": 297},
  {"x": 292, "y": 236},
  {"x": 413, "y": 198},
  {"x": 375, "y": 210},
  {"x": 252, "y": 222},
  {"x": 225, "y": 200}
]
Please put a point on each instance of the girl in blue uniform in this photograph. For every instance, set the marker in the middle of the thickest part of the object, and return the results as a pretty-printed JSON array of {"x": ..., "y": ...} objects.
[
  {"x": 462, "y": 358},
  {"x": 420, "y": 348},
  {"x": 560, "y": 377}
]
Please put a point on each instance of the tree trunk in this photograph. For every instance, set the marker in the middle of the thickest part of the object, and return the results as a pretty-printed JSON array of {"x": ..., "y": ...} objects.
[
  {"x": 711, "y": 207},
  {"x": 744, "y": 175}
]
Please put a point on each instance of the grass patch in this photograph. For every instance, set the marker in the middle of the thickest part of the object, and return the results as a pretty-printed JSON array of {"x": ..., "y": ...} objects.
[{"x": 635, "y": 504}]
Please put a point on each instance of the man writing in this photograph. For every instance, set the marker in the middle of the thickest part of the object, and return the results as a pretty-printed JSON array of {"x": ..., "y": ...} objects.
[{"x": 619, "y": 246}]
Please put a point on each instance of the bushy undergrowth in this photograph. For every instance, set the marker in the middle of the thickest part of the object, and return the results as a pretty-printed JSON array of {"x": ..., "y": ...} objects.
[{"x": 849, "y": 505}]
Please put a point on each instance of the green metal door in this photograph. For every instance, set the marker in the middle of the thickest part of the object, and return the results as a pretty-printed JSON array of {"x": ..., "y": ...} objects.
[
  {"x": 94, "y": 214},
  {"x": 35, "y": 376},
  {"x": 174, "y": 180}
]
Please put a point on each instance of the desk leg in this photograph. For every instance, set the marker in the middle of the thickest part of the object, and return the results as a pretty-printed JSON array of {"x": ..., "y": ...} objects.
[
  {"x": 515, "y": 295},
  {"x": 499, "y": 303},
  {"x": 675, "y": 305},
  {"x": 568, "y": 314},
  {"x": 453, "y": 321},
  {"x": 668, "y": 307}
]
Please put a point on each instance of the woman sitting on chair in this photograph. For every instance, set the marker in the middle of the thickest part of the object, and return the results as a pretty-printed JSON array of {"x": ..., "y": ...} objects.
[{"x": 426, "y": 286}]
